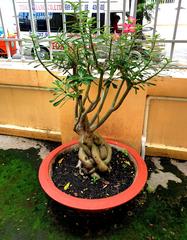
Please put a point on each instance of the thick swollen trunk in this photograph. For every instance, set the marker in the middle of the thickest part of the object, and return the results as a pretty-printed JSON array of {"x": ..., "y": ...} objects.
[{"x": 94, "y": 153}]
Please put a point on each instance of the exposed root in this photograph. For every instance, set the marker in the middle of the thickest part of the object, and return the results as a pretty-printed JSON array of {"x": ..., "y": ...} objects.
[
  {"x": 86, "y": 149},
  {"x": 84, "y": 159},
  {"x": 94, "y": 154},
  {"x": 103, "y": 151},
  {"x": 109, "y": 154}
]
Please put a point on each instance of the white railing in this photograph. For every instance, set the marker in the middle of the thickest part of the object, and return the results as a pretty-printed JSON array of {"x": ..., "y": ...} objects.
[{"x": 98, "y": 7}]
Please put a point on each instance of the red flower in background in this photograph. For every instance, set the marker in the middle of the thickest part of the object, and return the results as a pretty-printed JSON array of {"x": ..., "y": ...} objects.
[{"x": 129, "y": 27}]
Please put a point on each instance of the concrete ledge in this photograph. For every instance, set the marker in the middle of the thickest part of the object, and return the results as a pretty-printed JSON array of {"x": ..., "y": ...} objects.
[
  {"x": 29, "y": 132},
  {"x": 166, "y": 151}
]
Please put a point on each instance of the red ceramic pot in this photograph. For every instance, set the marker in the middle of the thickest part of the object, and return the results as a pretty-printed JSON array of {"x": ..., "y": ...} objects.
[{"x": 92, "y": 205}]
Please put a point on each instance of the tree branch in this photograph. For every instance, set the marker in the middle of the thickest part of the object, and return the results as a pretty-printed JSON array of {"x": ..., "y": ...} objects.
[
  {"x": 155, "y": 74},
  {"x": 93, "y": 50},
  {"x": 42, "y": 63},
  {"x": 112, "y": 109},
  {"x": 86, "y": 95},
  {"x": 96, "y": 116},
  {"x": 97, "y": 99}
]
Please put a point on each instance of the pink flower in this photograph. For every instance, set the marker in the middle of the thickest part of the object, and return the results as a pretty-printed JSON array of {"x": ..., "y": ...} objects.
[
  {"x": 132, "y": 20},
  {"x": 129, "y": 27}
]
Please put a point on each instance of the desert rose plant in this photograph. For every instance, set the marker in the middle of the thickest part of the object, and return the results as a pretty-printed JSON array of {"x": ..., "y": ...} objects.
[{"x": 106, "y": 60}]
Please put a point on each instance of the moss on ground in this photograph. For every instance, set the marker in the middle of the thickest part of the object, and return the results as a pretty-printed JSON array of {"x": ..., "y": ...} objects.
[{"x": 27, "y": 214}]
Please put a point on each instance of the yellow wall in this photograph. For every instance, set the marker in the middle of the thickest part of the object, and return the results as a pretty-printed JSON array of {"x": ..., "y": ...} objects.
[
  {"x": 25, "y": 111},
  {"x": 167, "y": 120},
  {"x": 24, "y": 105},
  {"x": 24, "y": 102}
]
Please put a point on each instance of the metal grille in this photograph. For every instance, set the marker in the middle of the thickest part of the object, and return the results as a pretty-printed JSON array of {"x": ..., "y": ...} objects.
[
  {"x": 42, "y": 9},
  {"x": 167, "y": 1}
]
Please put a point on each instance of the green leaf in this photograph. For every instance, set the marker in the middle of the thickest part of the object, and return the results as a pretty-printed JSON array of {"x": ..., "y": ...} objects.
[
  {"x": 37, "y": 65},
  {"x": 136, "y": 89},
  {"x": 151, "y": 84},
  {"x": 58, "y": 102},
  {"x": 126, "y": 153},
  {"x": 141, "y": 87}
]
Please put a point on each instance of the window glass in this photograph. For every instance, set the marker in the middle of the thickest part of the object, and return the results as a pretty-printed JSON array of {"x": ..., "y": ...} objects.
[
  {"x": 24, "y": 21},
  {"x": 55, "y": 21}
]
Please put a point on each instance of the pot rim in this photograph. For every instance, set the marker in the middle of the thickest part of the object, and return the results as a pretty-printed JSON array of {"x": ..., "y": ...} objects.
[{"x": 92, "y": 204}]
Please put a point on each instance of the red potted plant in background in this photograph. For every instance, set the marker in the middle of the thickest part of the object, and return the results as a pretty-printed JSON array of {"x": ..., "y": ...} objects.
[{"x": 122, "y": 62}]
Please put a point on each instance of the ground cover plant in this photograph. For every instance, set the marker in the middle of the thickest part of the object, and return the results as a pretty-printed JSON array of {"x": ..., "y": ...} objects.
[{"x": 26, "y": 213}]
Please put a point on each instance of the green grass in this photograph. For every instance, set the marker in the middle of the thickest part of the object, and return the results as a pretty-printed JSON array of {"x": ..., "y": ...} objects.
[{"x": 26, "y": 213}]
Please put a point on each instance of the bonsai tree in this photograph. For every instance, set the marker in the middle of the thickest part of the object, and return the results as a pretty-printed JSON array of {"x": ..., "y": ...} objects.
[{"x": 103, "y": 61}]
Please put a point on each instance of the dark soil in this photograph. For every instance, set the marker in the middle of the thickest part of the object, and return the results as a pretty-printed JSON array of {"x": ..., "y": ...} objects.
[{"x": 68, "y": 179}]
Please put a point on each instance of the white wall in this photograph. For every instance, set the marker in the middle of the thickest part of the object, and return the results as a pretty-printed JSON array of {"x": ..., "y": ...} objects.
[
  {"x": 167, "y": 13},
  {"x": 8, "y": 15}
]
